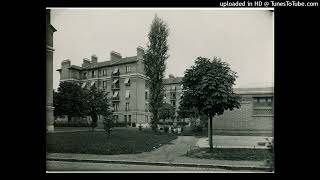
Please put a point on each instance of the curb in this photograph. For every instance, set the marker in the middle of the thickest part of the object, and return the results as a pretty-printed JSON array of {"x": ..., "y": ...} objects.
[{"x": 227, "y": 167}]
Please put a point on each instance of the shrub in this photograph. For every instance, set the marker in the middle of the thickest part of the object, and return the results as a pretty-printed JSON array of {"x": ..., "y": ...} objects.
[
  {"x": 133, "y": 124},
  {"x": 166, "y": 129},
  {"x": 197, "y": 129},
  {"x": 70, "y": 124},
  {"x": 119, "y": 124},
  {"x": 140, "y": 127},
  {"x": 182, "y": 123}
]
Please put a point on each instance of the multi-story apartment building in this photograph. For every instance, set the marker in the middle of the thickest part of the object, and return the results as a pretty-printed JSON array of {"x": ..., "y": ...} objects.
[
  {"x": 255, "y": 116},
  {"x": 124, "y": 80}
]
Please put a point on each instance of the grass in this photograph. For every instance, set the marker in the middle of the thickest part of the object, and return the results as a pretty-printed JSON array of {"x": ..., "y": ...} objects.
[
  {"x": 122, "y": 141},
  {"x": 235, "y": 154}
]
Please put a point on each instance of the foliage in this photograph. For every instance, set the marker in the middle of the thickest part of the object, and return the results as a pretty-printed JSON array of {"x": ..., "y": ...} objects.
[
  {"x": 133, "y": 124},
  {"x": 108, "y": 124},
  {"x": 166, "y": 129},
  {"x": 208, "y": 86},
  {"x": 97, "y": 103},
  {"x": 73, "y": 101},
  {"x": 70, "y": 124},
  {"x": 155, "y": 64},
  {"x": 166, "y": 111},
  {"x": 140, "y": 127},
  {"x": 69, "y": 100}
]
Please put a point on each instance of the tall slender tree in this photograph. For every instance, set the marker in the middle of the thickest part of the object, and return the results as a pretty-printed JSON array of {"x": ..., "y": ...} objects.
[{"x": 155, "y": 64}]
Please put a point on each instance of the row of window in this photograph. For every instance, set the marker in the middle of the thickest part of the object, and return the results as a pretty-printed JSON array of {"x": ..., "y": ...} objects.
[
  {"x": 174, "y": 88},
  {"x": 103, "y": 72},
  {"x": 104, "y": 83}
]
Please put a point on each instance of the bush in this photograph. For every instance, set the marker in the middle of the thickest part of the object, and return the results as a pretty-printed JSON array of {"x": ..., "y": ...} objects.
[
  {"x": 182, "y": 123},
  {"x": 140, "y": 127},
  {"x": 71, "y": 124},
  {"x": 197, "y": 129},
  {"x": 133, "y": 124},
  {"x": 166, "y": 129},
  {"x": 119, "y": 124}
]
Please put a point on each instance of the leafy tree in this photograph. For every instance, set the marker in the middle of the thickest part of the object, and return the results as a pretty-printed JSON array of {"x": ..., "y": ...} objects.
[
  {"x": 166, "y": 111},
  {"x": 97, "y": 103},
  {"x": 208, "y": 86},
  {"x": 68, "y": 100},
  {"x": 155, "y": 64},
  {"x": 108, "y": 124}
]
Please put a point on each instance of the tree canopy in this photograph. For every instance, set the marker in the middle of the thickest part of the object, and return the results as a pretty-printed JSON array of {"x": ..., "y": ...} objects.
[
  {"x": 166, "y": 111},
  {"x": 209, "y": 89},
  {"x": 68, "y": 100},
  {"x": 74, "y": 101},
  {"x": 155, "y": 64}
]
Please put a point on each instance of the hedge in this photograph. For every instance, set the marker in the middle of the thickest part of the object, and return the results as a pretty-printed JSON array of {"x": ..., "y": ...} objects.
[{"x": 71, "y": 124}]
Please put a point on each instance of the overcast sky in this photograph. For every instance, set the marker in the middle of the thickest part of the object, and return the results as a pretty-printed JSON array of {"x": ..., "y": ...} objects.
[{"x": 243, "y": 38}]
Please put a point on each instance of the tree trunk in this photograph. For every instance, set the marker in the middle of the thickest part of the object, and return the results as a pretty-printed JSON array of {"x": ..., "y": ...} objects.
[{"x": 210, "y": 133}]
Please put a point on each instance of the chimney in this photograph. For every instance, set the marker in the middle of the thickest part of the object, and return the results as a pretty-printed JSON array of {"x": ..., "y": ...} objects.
[
  {"x": 115, "y": 56},
  {"x": 140, "y": 52},
  {"x": 86, "y": 62},
  {"x": 65, "y": 63},
  {"x": 94, "y": 59},
  {"x": 171, "y": 76}
]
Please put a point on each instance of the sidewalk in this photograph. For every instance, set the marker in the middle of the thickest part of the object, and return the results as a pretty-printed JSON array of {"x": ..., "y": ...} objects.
[
  {"x": 234, "y": 142},
  {"x": 172, "y": 154}
]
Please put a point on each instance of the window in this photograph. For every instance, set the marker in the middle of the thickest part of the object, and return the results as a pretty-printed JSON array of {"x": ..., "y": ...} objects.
[
  {"x": 104, "y": 84},
  {"x": 115, "y": 94},
  {"x": 84, "y": 75},
  {"x": 115, "y": 81},
  {"x": 269, "y": 100},
  {"x": 116, "y": 70},
  {"x": 92, "y": 74},
  {"x": 147, "y": 118},
  {"x": 84, "y": 85},
  {"x": 128, "y": 68},
  {"x": 146, "y": 94},
  {"x": 115, "y": 118},
  {"x": 104, "y": 72},
  {"x": 173, "y": 103},
  {"x": 115, "y": 107},
  {"x": 127, "y": 81},
  {"x": 127, "y": 94},
  {"x": 262, "y": 100},
  {"x": 127, "y": 106},
  {"x": 147, "y": 107},
  {"x": 92, "y": 83},
  {"x": 181, "y": 86}
]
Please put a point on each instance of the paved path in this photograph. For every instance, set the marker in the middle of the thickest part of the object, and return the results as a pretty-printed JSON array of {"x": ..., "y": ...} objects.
[
  {"x": 234, "y": 142},
  {"x": 171, "y": 153}
]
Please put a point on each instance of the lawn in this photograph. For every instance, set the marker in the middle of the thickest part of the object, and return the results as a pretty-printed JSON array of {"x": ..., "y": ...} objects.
[
  {"x": 235, "y": 154},
  {"x": 122, "y": 141}
]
